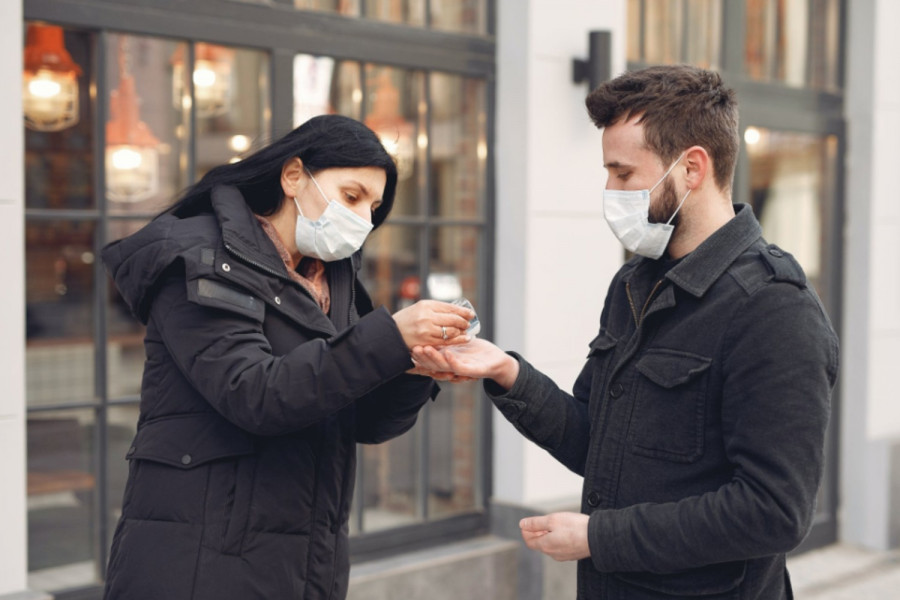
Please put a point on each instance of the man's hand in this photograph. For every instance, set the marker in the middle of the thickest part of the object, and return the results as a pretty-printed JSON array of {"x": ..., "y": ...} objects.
[
  {"x": 561, "y": 536},
  {"x": 476, "y": 359}
]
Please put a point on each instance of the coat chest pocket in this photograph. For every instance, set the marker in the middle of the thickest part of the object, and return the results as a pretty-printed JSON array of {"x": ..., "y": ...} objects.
[
  {"x": 670, "y": 405},
  {"x": 603, "y": 348}
]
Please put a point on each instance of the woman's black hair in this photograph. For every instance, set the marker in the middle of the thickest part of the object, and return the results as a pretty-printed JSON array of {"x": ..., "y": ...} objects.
[{"x": 322, "y": 142}]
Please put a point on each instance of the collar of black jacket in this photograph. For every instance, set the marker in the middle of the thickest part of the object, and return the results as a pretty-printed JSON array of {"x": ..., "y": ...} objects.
[
  {"x": 241, "y": 234},
  {"x": 702, "y": 267}
]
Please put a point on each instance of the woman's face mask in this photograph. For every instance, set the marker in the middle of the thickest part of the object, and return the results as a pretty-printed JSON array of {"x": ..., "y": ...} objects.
[
  {"x": 335, "y": 235},
  {"x": 627, "y": 212}
]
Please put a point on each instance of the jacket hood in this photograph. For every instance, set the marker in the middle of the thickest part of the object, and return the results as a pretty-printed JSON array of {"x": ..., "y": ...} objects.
[{"x": 136, "y": 263}]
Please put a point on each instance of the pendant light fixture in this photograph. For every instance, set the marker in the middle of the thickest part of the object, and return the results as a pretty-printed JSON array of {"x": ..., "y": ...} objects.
[
  {"x": 49, "y": 80},
  {"x": 212, "y": 79},
  {"x": 395, "y": 133},
  {"x": 132, "y": 157}
]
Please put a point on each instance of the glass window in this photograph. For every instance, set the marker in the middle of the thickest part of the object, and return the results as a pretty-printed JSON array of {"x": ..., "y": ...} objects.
[
  {"x": 343, "y": 7},
  {"x": 434, "y": 124},
  {"x": 59, "y": 319},
  {"x": 792, "y": 186},
  {"x": 147, "y": 134},
  {"x": 59, "y": 133},
  {"x": 396, "y": 110},
  {"x": 792, "y": 41},
  {"x": 62, "y": 495},
  {"x": 231, "y": 96},
  {"x": 458, "y": 16},
  {"x": 458, "y": 146},
  {"x": 174, "y": 108},
  {"x": 408, "y": 12},
  {"x": 675, "y": 31},
  {"x": 463, "y": 16}
]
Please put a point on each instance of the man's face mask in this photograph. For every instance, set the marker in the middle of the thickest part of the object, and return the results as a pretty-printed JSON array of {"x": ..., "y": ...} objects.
[
  {"x": 627, "y": 212},
  {"x": 335, "y": 235}
]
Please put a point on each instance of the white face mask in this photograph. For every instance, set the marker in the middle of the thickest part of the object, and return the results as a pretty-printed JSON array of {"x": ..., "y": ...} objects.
[
  {"x": 627, "y": 213},
  {"x": 335, "y": 235}
]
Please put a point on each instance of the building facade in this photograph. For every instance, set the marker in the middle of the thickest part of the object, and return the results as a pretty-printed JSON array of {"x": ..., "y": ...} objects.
[{"x": 499, "y": 201}]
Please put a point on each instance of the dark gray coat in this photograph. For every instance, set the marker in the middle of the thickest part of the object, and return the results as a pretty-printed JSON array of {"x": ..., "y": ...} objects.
[
  {"x": 698, "y": 422},
  {"x": 252, "y": 402}
]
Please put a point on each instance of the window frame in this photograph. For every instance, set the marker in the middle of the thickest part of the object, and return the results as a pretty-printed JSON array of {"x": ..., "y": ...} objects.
[{"x": 282, "y": 31}]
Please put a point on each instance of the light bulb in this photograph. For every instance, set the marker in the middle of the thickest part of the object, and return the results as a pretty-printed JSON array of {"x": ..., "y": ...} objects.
[{"x": 125, "y": 159}]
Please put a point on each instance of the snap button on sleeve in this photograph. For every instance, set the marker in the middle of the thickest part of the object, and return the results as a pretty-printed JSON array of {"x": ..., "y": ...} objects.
[
  {"x": 186, "y": 459},
  {"x": 226, "y": 267},
  {"x": 593, "y": 499},
  {"x": 277, "y": 299}
]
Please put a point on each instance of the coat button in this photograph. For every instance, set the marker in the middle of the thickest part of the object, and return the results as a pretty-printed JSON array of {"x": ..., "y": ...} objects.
[
  {"x": 277, "y": 300},
  {"x": 593, "y": 499},
  {"x": 776, "y": 252},
  {"x": 616, "y": 390},
  {"x": 226, "y": 267},
  {"x": 186, "y": 459}
]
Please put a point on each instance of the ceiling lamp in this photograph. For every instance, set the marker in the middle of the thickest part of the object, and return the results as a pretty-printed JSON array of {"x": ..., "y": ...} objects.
[
  {"x": 395, "y": 133},
  {"x": 132, "y": 158},
  {"x": 49, "y": 80},
  {"x": 212, "y": 78}
]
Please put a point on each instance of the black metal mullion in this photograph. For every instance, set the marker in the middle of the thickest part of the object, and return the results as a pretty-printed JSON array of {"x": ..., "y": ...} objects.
[
  {"x": 101, "y": 350},
  {"x": 281, "y": 84},
  {"x": 842, "y": 43},
  {"x": 733, "y": 38},
  {"x": 190, "y": 57},
  {"x": 357, "y": 508},
  {"x": 424, "y": 472},
  {"x": 487, "y": 275}
]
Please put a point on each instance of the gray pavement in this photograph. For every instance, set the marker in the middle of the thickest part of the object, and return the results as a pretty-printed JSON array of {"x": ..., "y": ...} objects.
[{"x": 844, "y": 572}]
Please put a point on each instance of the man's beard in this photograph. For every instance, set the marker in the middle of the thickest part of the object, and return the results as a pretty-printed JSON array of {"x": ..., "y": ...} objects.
[{"x": 666, "y": 205}]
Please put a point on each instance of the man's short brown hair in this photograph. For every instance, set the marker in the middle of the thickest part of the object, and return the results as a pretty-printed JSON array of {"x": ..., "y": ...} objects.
[{"x": 679, "y": 106}]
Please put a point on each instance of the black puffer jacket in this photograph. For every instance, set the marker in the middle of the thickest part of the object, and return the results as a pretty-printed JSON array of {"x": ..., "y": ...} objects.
[{"x": 242, "y": 470}]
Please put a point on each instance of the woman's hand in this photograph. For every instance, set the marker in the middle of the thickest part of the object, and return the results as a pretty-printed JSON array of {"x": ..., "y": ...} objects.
[
  {"x": 477, "y": 359},
  {"x": 433, "y": 323}
]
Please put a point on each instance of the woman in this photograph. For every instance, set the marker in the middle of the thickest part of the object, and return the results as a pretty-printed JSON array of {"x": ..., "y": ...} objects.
[{"x": 266, "y": 364}]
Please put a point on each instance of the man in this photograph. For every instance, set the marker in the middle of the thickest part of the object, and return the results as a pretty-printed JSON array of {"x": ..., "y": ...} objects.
[{"x": 698, "y": 421}]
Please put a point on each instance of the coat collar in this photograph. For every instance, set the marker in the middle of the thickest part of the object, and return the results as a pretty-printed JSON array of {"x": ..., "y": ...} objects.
[
  {"x": 700, "y": 269},
  {"x": 240, "y": 231}
]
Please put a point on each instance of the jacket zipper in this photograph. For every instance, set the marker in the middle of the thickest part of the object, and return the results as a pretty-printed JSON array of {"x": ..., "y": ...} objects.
[
  {"x": 266, "y": 269},
  {"x": 639, "y": 318}
]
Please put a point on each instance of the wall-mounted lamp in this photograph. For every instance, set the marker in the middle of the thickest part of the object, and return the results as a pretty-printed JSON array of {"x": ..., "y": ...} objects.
[
  {"x": 49, "y": 80},
  {"x": 597, "y": 68}
]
